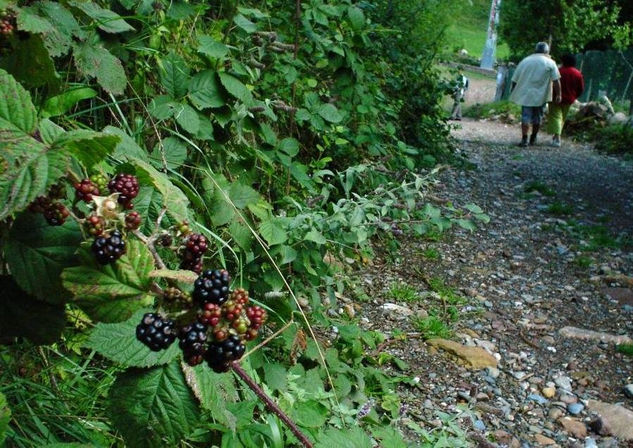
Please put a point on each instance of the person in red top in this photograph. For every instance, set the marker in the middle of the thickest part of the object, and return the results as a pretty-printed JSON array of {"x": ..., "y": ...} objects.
[{"x": 572, "y": 85}]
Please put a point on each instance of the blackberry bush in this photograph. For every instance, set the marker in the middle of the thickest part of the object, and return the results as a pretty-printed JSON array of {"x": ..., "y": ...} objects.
[
  {"x": 108, "y": 249},
  {"x": 155, "y": 332}
]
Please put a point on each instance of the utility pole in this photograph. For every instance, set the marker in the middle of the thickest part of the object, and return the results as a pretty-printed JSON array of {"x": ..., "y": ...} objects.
[{"x": 488, "y": 56}]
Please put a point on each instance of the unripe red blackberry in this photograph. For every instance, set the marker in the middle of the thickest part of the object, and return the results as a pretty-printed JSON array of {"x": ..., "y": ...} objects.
[
  {"x": 220, "y": 332},
  {"x": 155, "y": 332},
  {"x": 211, "y": 315},
  {"x": 85, "y": 190},
  {"x": 127, "y": 187},
  {"x": 56, "y": 214},
  {"x": 211, "y": 287},
  {"x": 240, "y": 295},
  {"x": 95, "y": 225},
  {"x": 133, "y": 220},
  {"x": 220, "y": 354},
  {"x": 250, "y": 334},
  {"x": 231, "y": 310},
  {"x": 40, "y": 204},
  {"x": 108, "y": 249},
  {"x": 257, "y": 315},
  {"x": 195, "y": 246}
]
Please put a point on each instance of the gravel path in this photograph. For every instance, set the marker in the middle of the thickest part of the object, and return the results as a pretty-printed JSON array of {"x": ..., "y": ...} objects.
[{"x": 556, "y": 254}]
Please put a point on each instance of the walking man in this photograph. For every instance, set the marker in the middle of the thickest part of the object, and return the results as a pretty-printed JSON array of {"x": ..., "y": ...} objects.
[
  {"x": 460, "y": 87},
  {"x": 532, "y": 89}
]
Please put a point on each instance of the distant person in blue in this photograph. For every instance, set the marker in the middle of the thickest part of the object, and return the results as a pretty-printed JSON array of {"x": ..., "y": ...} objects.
[
  {"x": 532, "y": 83},
  {"x": 460, "y": 86}
]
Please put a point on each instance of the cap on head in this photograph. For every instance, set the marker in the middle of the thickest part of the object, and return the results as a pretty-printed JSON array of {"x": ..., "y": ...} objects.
[{"x": 542, "y": 47}]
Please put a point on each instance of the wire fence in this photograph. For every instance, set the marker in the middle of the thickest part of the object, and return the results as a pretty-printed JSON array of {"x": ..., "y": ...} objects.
[{"x": 607, "y": 73}]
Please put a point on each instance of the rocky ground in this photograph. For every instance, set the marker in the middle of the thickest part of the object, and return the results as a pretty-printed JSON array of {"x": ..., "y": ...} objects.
[{"x": 544, "y": 294}]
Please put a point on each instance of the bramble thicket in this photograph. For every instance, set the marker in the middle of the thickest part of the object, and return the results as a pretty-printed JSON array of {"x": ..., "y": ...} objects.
[{"x": 181, "y": 184}]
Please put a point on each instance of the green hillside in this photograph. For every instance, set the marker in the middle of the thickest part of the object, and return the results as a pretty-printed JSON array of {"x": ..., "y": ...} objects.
[{"x": 469, "y": 29}]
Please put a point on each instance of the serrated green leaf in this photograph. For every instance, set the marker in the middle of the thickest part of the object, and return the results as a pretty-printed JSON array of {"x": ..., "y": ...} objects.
[
  {"x": 289, "y": 146},
  {"x": 315, "y": 236},
  {"x": 244, "y": 23},
  {"x": 163, "y": 107},
  {"x": 171, "y": 151},
  {"x": 179, "y": 10},
  {"x": 88, "y": 147},
  {"x": 57, "y": 40},
  {"x": 173, "y": 198},
  {"x": 467, "y": 224},
  {"x": 49, "y": 131},
  {"x": 5, "y": 417},
  {"x": 353, "y": 437},
  {"x": 107, "y": 20},
  {"x": 212, "y": 48},
  {"x": 62, "y": 103},
  {"x": 221, "y": 211},
  {"x": 94, "y": 61},
  {"x": 205, "y": 90},
  {"x": 310, "y": 414},
  {"x": 356, "y": 17},
  {"x": 214, "y": 391},
  {"x": 16, "y": 107},
  {"x": 242, "y": 195},
  {"x": 37, "y": 253},
  {"x": 240, "y": 234},
  {"x": 118, "y": 343},
  {"x": 61, "y": 18},
  {"x": 187, "y": 117},
  {"x": 174, "y": 75},
  {"x": 235, "y": 87},
  {"x": 114, "y": 292},
  {"x": 27, "y": 168},
  {"x": 153, "y": 408},
  {"x": 272, "y": 231},
  {"x": 473, "y": 208},
  {"x": 126, "y": 147},
  {"x": 329, "y": 113},
  {"x": 21, "y": 315},
  {"x": 30, "y": 63},
  {"x": 276, "y": 377}
]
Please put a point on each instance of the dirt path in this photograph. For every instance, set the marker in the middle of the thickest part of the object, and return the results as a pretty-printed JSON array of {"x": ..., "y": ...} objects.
[{"x": 553, "y": 256}]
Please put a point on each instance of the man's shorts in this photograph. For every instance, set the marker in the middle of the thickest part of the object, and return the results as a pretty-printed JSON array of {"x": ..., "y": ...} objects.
[{"x": 531, "y": 114}]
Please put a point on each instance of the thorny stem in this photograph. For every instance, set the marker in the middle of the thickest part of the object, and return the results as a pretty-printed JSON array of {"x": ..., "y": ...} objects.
[
  {"x": 150, "y": 246},
  {"x": 270, "y": 404}
]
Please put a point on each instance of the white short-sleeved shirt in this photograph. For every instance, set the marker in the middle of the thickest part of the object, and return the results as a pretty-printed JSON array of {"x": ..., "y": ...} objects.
[{"x": 533, "y": 77}]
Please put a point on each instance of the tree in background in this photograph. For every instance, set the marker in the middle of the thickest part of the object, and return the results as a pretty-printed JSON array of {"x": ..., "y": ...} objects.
[{"x": 570, "y": 25}]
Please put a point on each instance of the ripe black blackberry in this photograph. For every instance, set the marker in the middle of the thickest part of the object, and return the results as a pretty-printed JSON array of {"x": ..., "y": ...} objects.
[
  {"x": 56, "y": 214},
  {"x": 211, "y": 287},
  {"x": 127, "y": 187},
  {"x": 192, "y": 342},
  {"x": 108, "y": 249},
  {"x": 156, "y": 332},
  {"x": 85, "y": 190},
  {"x": 220, "y": 354}
]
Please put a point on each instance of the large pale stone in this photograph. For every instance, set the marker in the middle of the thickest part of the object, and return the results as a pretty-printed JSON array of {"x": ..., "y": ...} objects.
[
  {"x": 617, "y": 418},
  {"x": 471, "y": 357},
  {"x": 581, "y": 333},
  {"x": 574, "y": 427}
]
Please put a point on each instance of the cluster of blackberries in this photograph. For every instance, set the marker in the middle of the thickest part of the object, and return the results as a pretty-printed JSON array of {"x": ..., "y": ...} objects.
[
  {"x": 225, "y": 321},
  {"x": 195, "y": 245},
  {"x": 127, "y": 187},
  {"x": 211, "y": 287},
  {"x": 155, "y": 332},
  {"x": 85, "y": 190},
  {"x": 108, "y": 249},
  {"x": 54, "y": 212},
  {"x": 7, "y": 23}
]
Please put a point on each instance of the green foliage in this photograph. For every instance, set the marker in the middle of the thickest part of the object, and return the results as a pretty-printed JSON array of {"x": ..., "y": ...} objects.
[
  {"x": 504, "y": 109},
  {"x": 613, "y": 139},
  {"x": 432, "y": 327},
  {"x": 570, "y": 26},
  {"x": 626, "y": 349},
  {"x": 540, "y": 187},
  {"x": 559, "y": 208},
  {"x": 402, "y": 292},
  {"x": 5, "y": 416}
]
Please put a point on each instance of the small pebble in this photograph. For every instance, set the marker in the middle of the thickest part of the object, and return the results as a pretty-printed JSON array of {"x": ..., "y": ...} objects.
[
  {"x": 575, "y": 408},
  {"x": 628, "y": 390}
]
